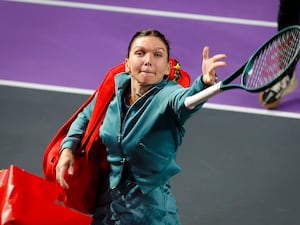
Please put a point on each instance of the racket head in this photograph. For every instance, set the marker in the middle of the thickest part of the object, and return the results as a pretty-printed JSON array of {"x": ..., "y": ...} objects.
[{"x": 271, "y": 62}]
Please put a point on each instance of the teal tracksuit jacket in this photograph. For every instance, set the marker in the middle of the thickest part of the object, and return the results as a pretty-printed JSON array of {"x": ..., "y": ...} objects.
[
  {"x": 143, "y": 140},
  {"x": 147, "y": 137}
]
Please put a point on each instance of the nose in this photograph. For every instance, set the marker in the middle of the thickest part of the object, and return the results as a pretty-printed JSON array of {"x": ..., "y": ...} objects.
[{"x": 148, "y": 60}]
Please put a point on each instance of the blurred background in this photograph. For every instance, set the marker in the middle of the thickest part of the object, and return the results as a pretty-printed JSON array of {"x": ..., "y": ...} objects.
[{"x": 239, "y": 161}]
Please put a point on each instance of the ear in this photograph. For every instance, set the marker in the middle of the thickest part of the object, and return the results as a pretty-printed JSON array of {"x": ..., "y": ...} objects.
[
  {"x": 168, "y": 69},
  {"x": 127, "y": 70}
]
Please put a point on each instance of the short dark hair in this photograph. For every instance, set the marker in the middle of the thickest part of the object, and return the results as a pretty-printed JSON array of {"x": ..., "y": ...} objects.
[{"x": 149, "y": 32}]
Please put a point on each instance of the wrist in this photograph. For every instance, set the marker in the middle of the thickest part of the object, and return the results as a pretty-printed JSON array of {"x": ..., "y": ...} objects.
[{"x": 65, "y": 149}]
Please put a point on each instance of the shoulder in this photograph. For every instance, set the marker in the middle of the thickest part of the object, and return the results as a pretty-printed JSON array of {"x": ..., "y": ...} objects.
[{"x": 122, "y": 78}]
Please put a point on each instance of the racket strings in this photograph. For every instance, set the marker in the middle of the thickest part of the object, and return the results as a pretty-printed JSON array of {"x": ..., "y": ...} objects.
[{"x": 272, "y": 60}]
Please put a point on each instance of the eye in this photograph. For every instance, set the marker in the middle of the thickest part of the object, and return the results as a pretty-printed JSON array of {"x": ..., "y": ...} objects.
[
  {"x": 158, "y": 54},
  {"x": 139, "y": 53}
]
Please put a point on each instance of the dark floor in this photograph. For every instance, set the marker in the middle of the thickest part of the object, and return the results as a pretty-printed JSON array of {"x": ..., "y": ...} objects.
[{"x": 238, "y": 168}]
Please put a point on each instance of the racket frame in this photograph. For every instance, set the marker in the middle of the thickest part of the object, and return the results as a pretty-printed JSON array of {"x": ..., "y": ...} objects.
[{"x": 192, "y": 101}]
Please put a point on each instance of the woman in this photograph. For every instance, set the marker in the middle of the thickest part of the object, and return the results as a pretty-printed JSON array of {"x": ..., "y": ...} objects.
[{"x": 142, "y": 130}]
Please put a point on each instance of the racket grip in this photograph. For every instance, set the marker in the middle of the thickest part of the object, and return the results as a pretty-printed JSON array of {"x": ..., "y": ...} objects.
[{"x": 191, "y": 101}]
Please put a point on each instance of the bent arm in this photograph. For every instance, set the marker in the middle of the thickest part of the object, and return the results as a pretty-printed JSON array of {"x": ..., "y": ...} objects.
[{"x": 78, "y": 128}]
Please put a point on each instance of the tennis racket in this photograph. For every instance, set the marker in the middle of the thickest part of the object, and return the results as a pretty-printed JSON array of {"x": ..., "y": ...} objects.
[{"x": 264, "y": 68}]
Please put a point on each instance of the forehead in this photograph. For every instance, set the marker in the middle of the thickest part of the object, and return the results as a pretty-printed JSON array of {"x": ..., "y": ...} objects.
[{"x": 149, "y": 42}]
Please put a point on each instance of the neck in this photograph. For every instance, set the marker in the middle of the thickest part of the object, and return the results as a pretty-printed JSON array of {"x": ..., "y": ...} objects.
[{"x": 133, "y": 95}]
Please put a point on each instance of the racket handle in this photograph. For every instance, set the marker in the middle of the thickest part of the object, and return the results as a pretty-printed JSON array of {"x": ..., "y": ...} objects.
[{"x": 191, "y": 101}]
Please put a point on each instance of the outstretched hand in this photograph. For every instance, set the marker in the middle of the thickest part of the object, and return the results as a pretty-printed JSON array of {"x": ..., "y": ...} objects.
[{"x": 209, "y": 66}]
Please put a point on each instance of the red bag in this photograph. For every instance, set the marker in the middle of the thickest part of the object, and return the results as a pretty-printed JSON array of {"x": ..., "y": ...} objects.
[
  {"x": 91, "y": 167},
  {"x": 26, "y": 199}
]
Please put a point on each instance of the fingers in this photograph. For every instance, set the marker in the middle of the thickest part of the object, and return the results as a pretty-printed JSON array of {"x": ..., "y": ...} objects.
[
  {"x": 60, "y": 172},
  {"x": 65, "y": 164},
  {"x": 205, "y": 53},
  {"x": 218, "y": 64},
  {"x": 218, "y": 57},
  {"x": 210, "y": 65}
]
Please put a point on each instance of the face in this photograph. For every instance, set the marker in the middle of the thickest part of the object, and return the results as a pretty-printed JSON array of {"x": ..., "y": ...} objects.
[{"x": 148, "y": 61}]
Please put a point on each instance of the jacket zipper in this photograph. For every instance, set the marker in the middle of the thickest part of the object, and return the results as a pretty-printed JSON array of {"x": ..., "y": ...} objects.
[{"x": 126, "y": 114}]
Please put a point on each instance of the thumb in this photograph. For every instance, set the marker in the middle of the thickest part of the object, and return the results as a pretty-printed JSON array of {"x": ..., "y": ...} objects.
[{"x": 71, "y": 169}]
